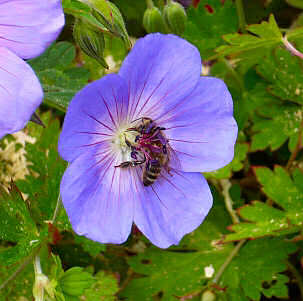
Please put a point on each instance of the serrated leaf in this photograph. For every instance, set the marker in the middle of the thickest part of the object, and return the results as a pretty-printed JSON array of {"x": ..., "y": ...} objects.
[
  {"x": 275, "y": 121},
  {"x": 59, "y": 77},
  {"x": 181, "y": 273},
  {"x": 250, "y": 48},
  {"x": 16, "y": 227},
  {"x": 266, "y": 220},
  {"x": 285, "y": 73},
  {"x": 241, "y": 150},
  {"x": 42, "y": 184},
  {"x": 205, "y": 29},
  {"x": 256, "y": 270}
]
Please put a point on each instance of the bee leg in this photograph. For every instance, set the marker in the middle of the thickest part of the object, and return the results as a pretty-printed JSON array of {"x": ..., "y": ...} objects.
[
  {"x": 164, "y": 148},
  {"x": 125, "y": 164}
]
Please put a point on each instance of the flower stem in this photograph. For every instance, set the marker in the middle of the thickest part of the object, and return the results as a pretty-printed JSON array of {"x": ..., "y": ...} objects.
[
  {"x": 57, "y": 209},
  {"x": 225, "y": 184},
  {"x": 298, "y": 277},
  {"x": 228, "y": 260},
  {"x": 241, "y": 15},
  {"x": 291, "y": 48},
  {"x": 297, "y": 147}
]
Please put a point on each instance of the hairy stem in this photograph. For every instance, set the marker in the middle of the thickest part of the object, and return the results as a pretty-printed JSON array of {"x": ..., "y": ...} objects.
[
  {"x": 228, "y": 260},
  {"x": 241, "y": 15},
  {"x": 291, "y": 48},
  {"x": 297, "y": 147},
  {"x": 225, "y": 184},
  {"x": 298, "y": 277},
  {"x": 57, "y": 209}
]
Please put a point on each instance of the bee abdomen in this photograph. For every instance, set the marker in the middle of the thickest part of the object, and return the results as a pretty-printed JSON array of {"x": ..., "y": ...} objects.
[{"x": 151, "y": 175}]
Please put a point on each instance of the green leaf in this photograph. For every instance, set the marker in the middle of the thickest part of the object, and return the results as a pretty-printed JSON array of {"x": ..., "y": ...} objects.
[
  {"x": 257, "y": 270},
  {"x": 249, "y": 49},
  {"x": 266, "y": 220},
  {"x": 46, "y": 170},
  {"x": 59, "y": 77},
  {"x": 21, "y": 288},
  {"x": 241, "y": 150},
  {"x": 275, "y": 121},
  {"x": 16, "y": 227},
  {"x": 205, "y": 29},
  {"x": 285, "y": 73},
  {"x": 176, "y": 273},
  {"x": 105, "y": 288}
]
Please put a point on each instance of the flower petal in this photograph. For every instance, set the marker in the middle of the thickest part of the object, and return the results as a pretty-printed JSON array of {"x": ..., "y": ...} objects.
[
  {"x": 27, "y": 27},
  {"x": 20, "y": 92},
  {"x": 98, "y": 198},
  {"x": 201, "y": 129},
  {"x": 93, "y": 116},
  {"x": 172, "y": 207},
  {"x": 160, "y": 70}
]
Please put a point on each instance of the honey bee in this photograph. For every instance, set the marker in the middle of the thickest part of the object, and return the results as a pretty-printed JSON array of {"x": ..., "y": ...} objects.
[{"x": 153, "y": 146}]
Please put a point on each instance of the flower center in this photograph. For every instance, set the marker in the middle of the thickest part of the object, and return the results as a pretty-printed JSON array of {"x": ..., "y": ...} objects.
[{"x": 143, "y": 144}]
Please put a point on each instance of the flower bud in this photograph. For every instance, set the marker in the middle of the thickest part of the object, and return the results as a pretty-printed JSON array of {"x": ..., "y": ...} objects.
[
  {"x": 175, "y": 17},
  {"x": 109, "y": 15},
  {"x": 208, "y": 296},
  {"x": 153, "y": 20},
  {"x": 90, "y": 41},
  {"x": 74, "y": 281}
]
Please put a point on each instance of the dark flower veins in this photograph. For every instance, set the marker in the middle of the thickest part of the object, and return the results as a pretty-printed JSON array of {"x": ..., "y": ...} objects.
[{"x": 159, "y": 79}]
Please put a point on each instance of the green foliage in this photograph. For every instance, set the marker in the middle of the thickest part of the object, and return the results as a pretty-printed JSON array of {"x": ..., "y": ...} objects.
[
  {"x": 249, "y": 49},
  {"x": 90, "y": 246},
  {"x": 104, "y": 288},
  {"x": 257, "y": 270},
  {"x": 205, "y": 29},
  {"x": 46, "y": 170},
  {"x": 264, "y": 219},
  {"x": 275, "y": 121},
  {"x": 59, "y": 76},
  {"x": 17, "y": 227},
  {"x": 285, "y": 74}
]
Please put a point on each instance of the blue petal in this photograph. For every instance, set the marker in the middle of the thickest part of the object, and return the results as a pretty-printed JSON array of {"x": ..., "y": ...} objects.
[
  {"x": 201, "y": 128},
  {"x": 93, "y": 116},
  {"x": 20, "y": 92},
  {"x": 27, "y": 27},
  {"x": 172, "y": 207},
  {"x": 98, "y": 197},
  {"x": 160, "y": 71}
]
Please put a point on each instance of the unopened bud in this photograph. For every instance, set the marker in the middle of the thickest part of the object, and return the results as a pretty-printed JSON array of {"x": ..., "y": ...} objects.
[
  {"x": 90, "y": 41},
  {"x": 175, "y": 17},
  {"x": 208, "y": 296},
  {"x": 109, "y": 15},
  {"x": 74, "y": 281},
  {"x": 153, "y": 20}
]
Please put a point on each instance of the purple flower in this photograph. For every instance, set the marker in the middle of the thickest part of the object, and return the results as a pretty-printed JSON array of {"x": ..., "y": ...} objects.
[
  {"x": 111, "y": 145},
  {"x": 27, "y": 27}
]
